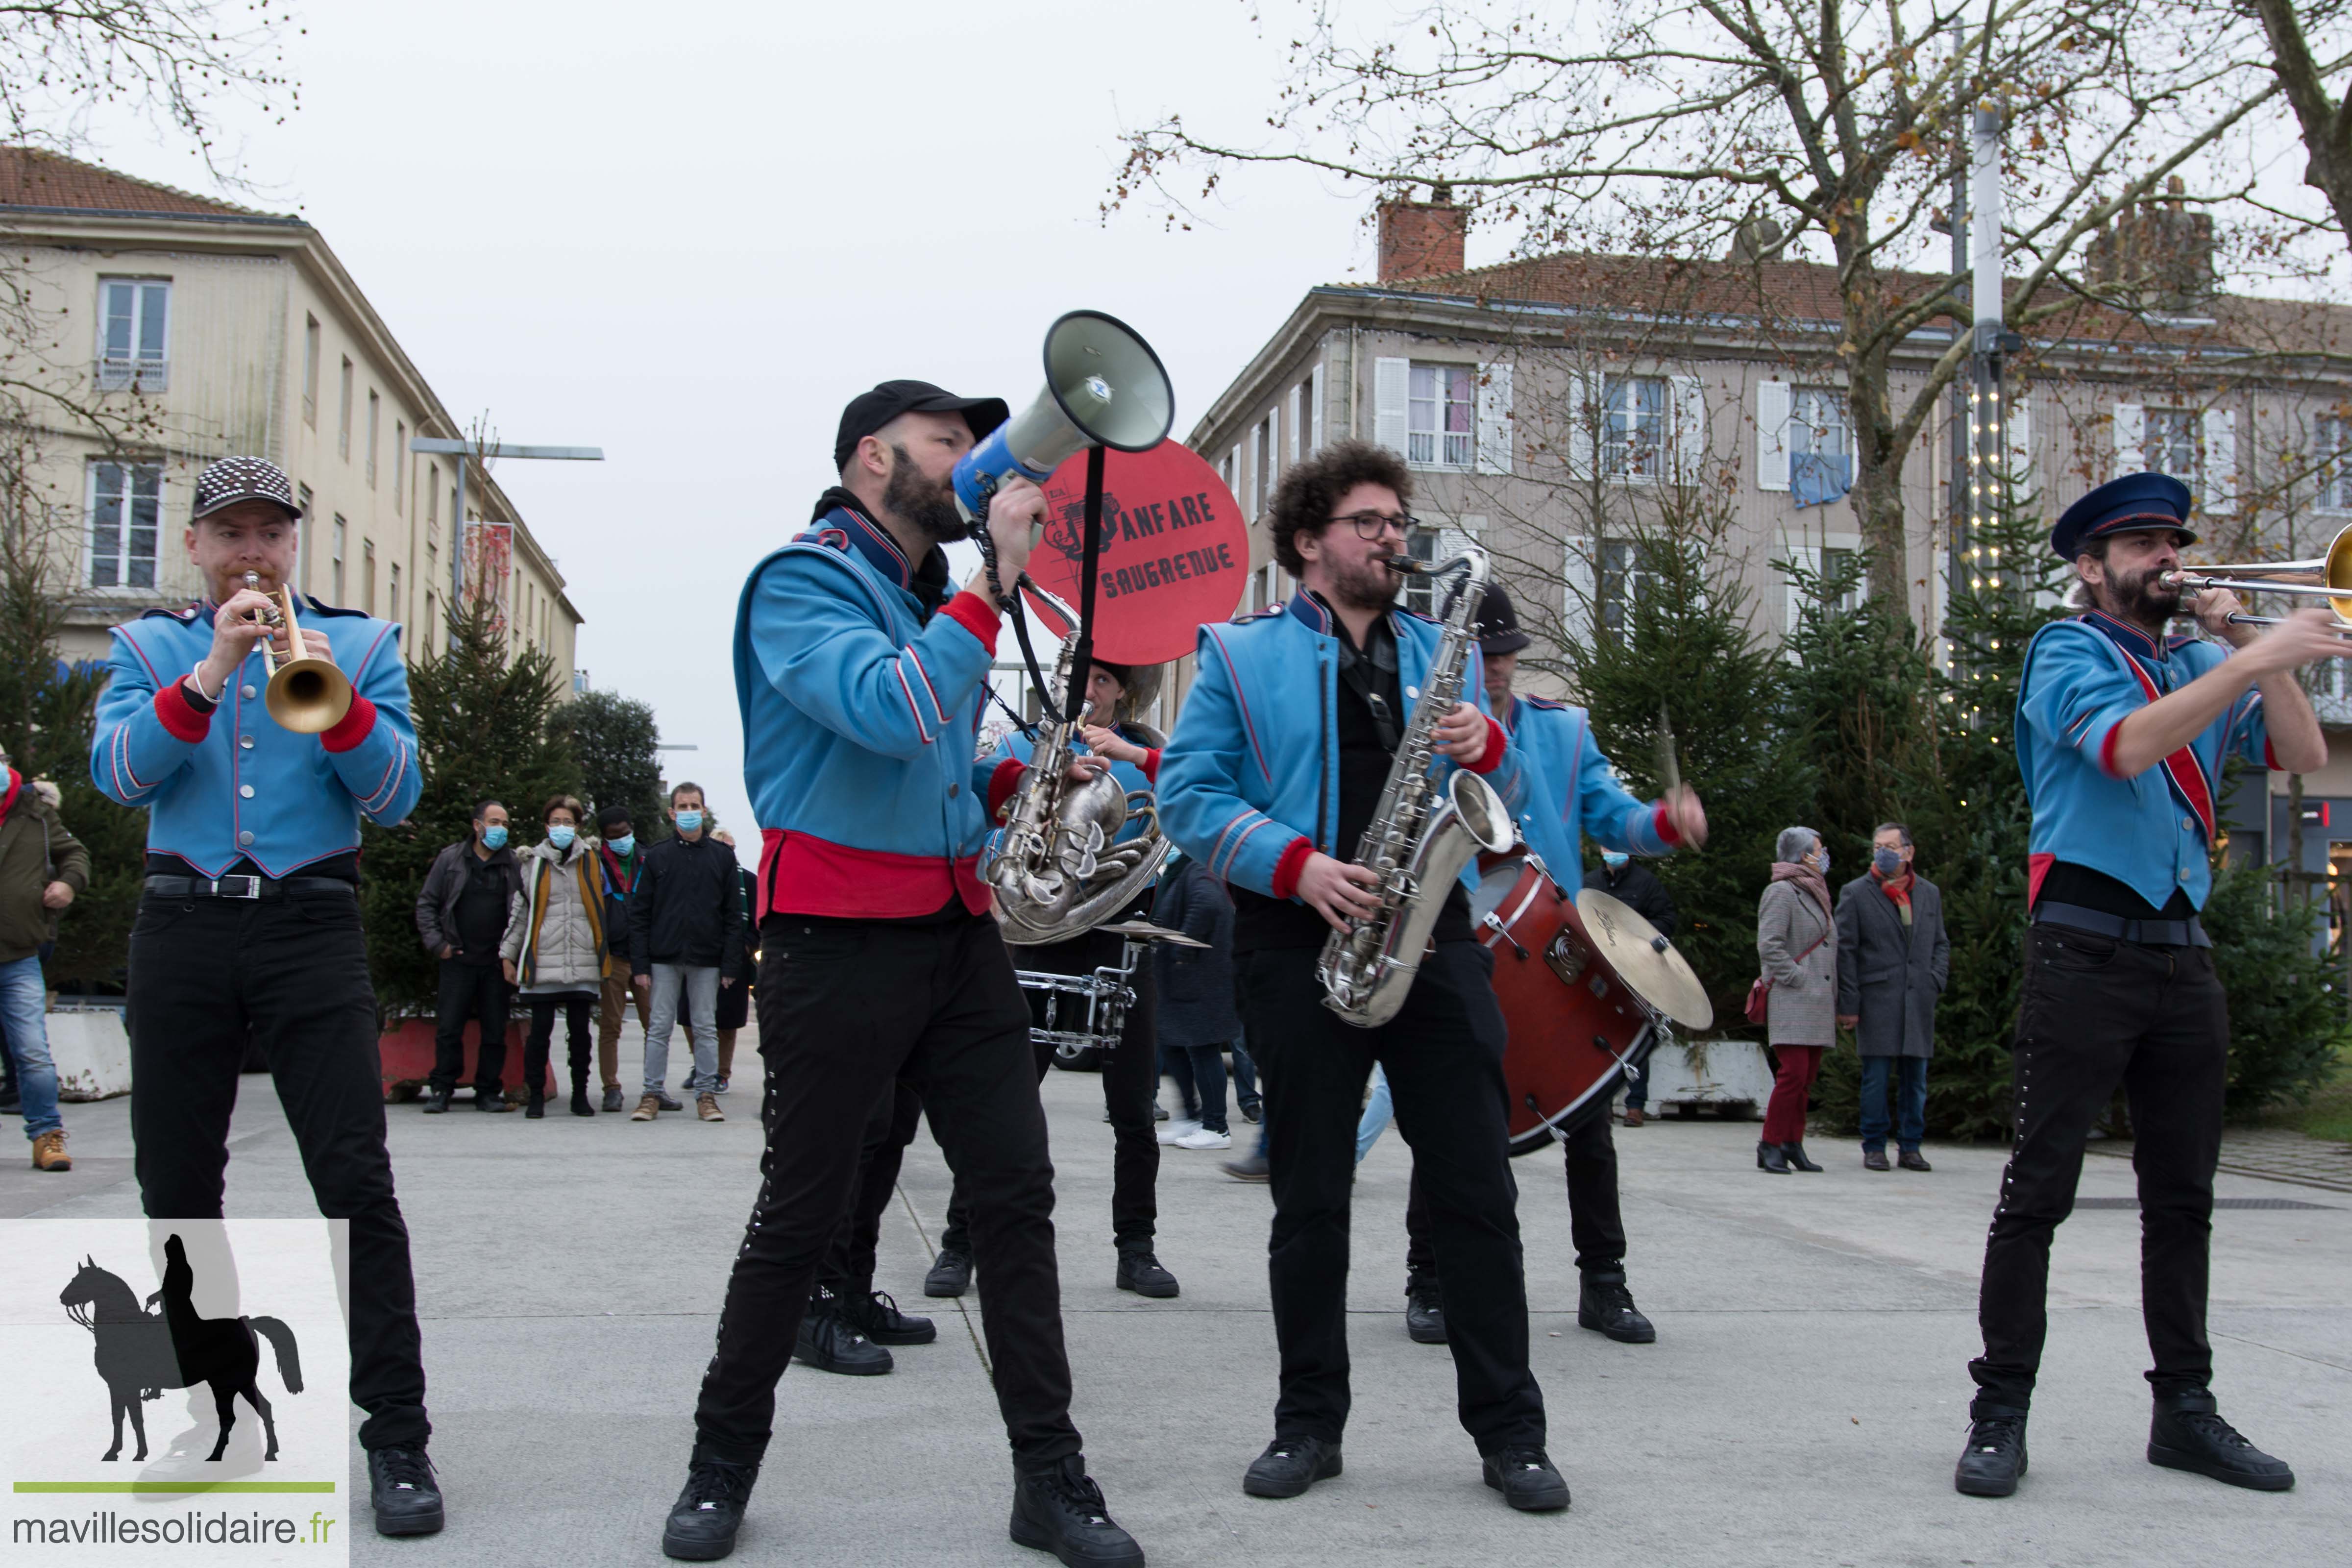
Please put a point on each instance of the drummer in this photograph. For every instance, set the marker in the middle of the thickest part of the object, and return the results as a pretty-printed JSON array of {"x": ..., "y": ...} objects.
[
  {"x": 1130, "y": 1070},
  {"x": 1570, "y": 790}
]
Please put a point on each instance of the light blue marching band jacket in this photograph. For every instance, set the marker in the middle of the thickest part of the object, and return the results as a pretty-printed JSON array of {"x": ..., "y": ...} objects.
[
  {"x": 231, "y": 783},
  {"x": 860, "y": 724},
  {"x": 1251, "y": 782},
  {"x": 1569, "y": 791},
  {"x": 2153, "y": 833}
]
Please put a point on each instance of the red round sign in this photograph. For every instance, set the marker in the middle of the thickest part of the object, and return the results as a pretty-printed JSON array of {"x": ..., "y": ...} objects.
[{"x": 1175, "y": 550}]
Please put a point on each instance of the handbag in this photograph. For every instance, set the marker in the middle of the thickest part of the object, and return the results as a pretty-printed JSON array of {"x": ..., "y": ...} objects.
[{"x": 1760, "y": 994}]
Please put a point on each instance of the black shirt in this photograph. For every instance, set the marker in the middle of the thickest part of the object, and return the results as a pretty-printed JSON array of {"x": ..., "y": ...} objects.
[
  {"x": 2067, "y": 883},
  {"x": 1370, "y": 715},
  {"x": 481, "y": 912}
]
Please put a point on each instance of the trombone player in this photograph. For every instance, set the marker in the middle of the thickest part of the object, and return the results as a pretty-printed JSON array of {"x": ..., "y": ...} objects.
[
  {"x": 251, "y": 920},
  {"x": 2121, "y": 734}
]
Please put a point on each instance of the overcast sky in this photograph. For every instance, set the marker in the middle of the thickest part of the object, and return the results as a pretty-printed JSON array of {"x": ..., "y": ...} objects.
[{"x": 690, "y": 236}]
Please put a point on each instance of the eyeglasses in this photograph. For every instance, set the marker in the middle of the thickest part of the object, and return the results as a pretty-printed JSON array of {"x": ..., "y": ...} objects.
[{"x": 1370, "y": 525}]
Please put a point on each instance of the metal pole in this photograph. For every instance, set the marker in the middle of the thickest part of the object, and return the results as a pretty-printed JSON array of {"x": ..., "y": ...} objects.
[{"x": 1988, "y": 422}]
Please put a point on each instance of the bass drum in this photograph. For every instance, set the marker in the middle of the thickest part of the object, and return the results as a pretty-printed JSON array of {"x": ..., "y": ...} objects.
[{"x": 1572, "y": 1025}]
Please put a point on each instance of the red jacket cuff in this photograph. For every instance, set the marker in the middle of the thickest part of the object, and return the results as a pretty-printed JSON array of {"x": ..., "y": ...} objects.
[
  {"x": 1151, "y": 765},
  {"x": 2270, "y": 758},
  {"x": 1496, "y": 738},
  {"x": 2108, "y": 752},
  {"x": 1293, "y": 861},
  {"x": 1001, "y": 783},
  {"x": 352, "y": 728},
  {"x": 1664, "y": 821},
  {"x": 179, "y": 717},
  {"x": 976, "y": 616}
]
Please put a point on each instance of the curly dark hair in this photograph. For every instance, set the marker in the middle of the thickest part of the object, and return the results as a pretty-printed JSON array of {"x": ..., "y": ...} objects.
[{"x": 1303, "y": 499}]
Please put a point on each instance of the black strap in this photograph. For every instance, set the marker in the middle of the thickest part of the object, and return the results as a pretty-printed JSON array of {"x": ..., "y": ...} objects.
[
  {"x": 2145, "y": 933},
  {"x": 244, "y": 887},
  {"x": 1355, "y": 666}
]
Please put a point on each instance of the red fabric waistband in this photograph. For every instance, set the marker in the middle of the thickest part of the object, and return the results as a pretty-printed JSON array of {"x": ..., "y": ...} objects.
[{"x": 801, "y": 873}]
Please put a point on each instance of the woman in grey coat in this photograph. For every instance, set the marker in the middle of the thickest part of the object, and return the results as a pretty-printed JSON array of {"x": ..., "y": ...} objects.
[
  {"x": 1796, "y": 943},
  {"x": 554, "y": 948}
]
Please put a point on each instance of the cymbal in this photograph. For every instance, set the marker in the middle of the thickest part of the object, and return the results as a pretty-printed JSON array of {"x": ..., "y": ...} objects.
[
  {"x": 1647, "y": 961},
  {"x": 1144, "y": 931}
]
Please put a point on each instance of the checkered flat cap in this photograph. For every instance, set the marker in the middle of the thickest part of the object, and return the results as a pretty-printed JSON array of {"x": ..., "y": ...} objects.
[{"x": 233, "y": 480}]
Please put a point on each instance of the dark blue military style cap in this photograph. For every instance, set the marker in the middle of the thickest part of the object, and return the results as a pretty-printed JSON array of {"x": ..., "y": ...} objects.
[{"x": 2125, "y": 505}]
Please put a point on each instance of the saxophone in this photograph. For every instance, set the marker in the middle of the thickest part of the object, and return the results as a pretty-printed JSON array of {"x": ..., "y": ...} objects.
[
  {"x": 1056, "y": 871},
  {"x": 1421, "y": 836}
]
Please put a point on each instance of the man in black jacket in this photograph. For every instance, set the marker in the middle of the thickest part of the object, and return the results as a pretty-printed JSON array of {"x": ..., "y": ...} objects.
[
  {"x": 686, "y": 936},
  {"x": 1632, "y": 884},
  {"x": 461, "y": 915}
]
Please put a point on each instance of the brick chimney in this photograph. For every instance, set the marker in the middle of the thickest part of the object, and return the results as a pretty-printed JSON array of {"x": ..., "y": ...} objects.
[
  {"x": 2160, "y": 252},
  {"x": 1421, "y": 239}
]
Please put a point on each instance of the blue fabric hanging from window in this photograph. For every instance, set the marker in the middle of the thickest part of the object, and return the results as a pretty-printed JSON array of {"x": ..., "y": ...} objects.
[{"x": 1817, "y": 479}]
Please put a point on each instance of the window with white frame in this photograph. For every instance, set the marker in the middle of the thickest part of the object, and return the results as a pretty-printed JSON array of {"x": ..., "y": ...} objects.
[
  {"x": 1816, "y": 421},
  {"x": 400, "y": 460},
  {"x": 126, "y": 503},
  {"x": 343, "y": 419},
  {"x": 375, "y": 415},
  {"x": 302, "y": 540},
  {"x": 2171, "y": 443},
  {"x": 1623, "y": 572},
  {"x": 311, "y": 370},
  {"x": 335, "y": 561},
  {"x": 1636, "y": 420},
  {"x": 133, "y": 344},
  {"x": 1441, "y": 416},
  {"x": 392, "y": 604},
  {"x": 2332, "y": 460},
  {"x": 1261, "y": 475}
]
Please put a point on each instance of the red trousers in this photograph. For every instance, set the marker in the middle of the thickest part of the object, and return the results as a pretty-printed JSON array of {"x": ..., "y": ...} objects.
[{"x": 1784, "y": 1119}]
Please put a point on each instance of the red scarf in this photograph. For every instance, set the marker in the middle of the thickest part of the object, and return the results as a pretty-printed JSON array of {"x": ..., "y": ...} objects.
[
  {"x": 1896, "y": 888},
  {"x": 8, "y": 801}
]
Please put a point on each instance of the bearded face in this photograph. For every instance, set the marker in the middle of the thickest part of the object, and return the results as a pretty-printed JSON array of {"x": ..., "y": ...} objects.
[{"x": 930, "y": 504}]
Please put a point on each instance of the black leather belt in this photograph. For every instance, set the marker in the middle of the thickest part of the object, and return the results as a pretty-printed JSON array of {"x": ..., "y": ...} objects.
[
  {"x": 244, "y": 887},
  {"x": 2147, "y": 933}
]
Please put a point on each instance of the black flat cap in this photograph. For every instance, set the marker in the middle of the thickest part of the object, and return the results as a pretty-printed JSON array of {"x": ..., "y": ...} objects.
[{"x": 869, "y": 411}]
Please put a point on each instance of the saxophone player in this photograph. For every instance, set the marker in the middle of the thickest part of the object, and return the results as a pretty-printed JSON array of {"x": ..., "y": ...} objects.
[
  {"x": 858, "y": 672},
  {"x": 1277, "y": 765}
]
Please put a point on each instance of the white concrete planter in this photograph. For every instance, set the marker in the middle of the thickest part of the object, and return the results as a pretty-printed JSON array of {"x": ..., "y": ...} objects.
[
  {"x": 1731, "y": 1076},
  {"x": 92, "y": 1053}
]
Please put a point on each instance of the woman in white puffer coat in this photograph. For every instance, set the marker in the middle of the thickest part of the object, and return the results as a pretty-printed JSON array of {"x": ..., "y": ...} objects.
[{"x": 554, "y": 948}]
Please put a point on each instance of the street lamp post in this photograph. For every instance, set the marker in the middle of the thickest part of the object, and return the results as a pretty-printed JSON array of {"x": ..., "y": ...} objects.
[{"x": 461, "y": 449}]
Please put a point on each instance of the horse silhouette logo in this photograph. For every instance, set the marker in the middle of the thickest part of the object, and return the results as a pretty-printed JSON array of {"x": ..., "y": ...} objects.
[{"x": 140, "y": 1352}]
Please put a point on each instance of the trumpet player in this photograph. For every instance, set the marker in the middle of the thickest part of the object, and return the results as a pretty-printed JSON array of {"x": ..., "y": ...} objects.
[
  {"x": 1130, "y": 1071},
  {"x": 858, "y": 671},
  {"x": 1277, "y": 766},
  {"x": 251, "y": 919},
  {"x": 2122, "y": 731}
]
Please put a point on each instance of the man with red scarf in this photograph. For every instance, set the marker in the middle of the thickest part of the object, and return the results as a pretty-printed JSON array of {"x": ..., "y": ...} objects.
[{"x": 1893, "y": 959}]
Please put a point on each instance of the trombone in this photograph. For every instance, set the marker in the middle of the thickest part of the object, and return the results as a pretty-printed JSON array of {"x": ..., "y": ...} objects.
[
  {"x": 306, "y": 694},
  {"x": 2327, "y": 576}
]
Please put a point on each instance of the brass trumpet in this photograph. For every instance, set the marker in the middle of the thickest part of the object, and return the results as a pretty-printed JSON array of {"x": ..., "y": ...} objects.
[
  {"x": 305, "y": 694},
  {"x": 2327, "y": 576}
]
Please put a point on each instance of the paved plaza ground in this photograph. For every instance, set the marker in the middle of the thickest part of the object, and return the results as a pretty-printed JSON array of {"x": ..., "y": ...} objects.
[{"x": 1803, "y": 1404}]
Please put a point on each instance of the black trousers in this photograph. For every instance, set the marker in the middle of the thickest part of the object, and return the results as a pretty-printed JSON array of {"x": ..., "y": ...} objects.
[
  {"x": 1443, "y": 1056},
  {"x": 293, "y": 972},
  {"x": 1594, "y": 1219},
  {"x": 477, "y": 991},
  {"x": 2098, "y": 1012},
  {"x": 848, "y": 1267},
  {"x": 847, "y": 1009},
  {"x": 1131, "y": 1076},
  {"x": 543, "y": 1036}
]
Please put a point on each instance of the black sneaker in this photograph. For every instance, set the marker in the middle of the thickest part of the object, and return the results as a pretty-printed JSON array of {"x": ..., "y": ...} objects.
[
  {"x": 951, "y": 1274},
  {"x": 1140, "y": 1272},
  {"x": 436, "y": 1102},
  {"x": 829, "y": 1344},
  {"x": 1527, "y": 1479},
  {"x": 704, "y": 1519},
  {"x": 1250, "y": 1169},
  {"x": 611, "y": 1099},
  {"x": 403, "y": 1493},
  {"x": 1607, "y": 1307},
  {"x": 1995, "y": 1457},
  {"x": 665, "y": 1102},
  {"x": 2186, "y": 1435},
  {"x": 1289, "y": 1466},
  {"x": 1058, "y": 1508},
  {"x": 1252, "y": 1113},
  {"x": 877, "y": 1316},
  {"x": 1424, "y": 1314}
]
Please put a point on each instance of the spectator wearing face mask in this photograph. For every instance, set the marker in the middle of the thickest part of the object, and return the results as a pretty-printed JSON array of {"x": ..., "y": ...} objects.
[
  {"x": 1795, "y": 940},
  {"x": 1632, "y": 884},
  {"x": 555, "y": 949},
  {"x": 1892, "y": 961},
  {"x": 618, "y": 859},
  {"x": 461, "y": 914},
  {"x": 685, "y": 942}
]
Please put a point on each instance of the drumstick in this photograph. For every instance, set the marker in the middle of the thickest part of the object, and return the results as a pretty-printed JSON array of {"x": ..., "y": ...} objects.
[{"x": 1668, "y": 768}]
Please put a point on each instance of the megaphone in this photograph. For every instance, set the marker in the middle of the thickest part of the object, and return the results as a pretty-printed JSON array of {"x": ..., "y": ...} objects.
[{"x": 1104, "y": 387}]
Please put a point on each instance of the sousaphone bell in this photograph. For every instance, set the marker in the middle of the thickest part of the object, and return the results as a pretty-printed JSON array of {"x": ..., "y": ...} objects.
[{"x": 306, "y": 694}]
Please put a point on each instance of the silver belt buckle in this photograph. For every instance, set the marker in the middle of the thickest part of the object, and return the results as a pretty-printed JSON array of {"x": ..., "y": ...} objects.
[{"x": 252, "y": 887}]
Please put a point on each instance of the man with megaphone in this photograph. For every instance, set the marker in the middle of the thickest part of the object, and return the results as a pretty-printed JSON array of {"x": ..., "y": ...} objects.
[{"x": 859, "y": 676}]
